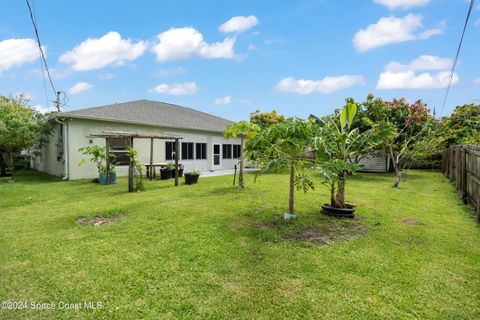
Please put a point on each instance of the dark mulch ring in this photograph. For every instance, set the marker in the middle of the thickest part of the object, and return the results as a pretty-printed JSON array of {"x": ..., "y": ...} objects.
[{"x": 99, "y": 221}]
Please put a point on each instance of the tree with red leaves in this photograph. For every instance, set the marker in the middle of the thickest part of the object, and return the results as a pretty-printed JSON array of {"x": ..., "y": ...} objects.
[{"x": 412, "y": 123}]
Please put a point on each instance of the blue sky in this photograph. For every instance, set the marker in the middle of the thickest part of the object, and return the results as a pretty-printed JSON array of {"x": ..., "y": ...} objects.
[{"x": 230, "y": 58}]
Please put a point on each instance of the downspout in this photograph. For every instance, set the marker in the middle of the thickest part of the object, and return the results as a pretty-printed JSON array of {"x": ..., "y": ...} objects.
[{"x": 64, "y": 124}]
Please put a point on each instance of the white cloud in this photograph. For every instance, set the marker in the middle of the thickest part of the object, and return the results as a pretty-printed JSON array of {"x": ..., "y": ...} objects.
[
  {"x": 402, "y": 4},
  {"x": 325, "y": 85},
  {"x": 43, "y": 109},
  {"x": 224, "y": 100},
  {"x": 79, "y": 87},
  {"x": 404, "y": 76},
  {"x": 391, "y": 29},
  {"x": 176, "y": 89},
  {"x": 238, "y": 24},
  {"x": 476, "y": 81},
  {"x": 15, "y": 52},
  {"x": 424, "y": 62},
  {"x": 410, "y": 80},
  {"x": 185, "y": 43},
  {"x": 96, "y": 53}
]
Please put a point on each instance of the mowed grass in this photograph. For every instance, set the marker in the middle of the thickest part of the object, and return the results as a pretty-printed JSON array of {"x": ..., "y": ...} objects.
[{"x": 212, "y": 251}]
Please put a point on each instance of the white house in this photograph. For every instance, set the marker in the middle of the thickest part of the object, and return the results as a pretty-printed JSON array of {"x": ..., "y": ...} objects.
[{"x": 203, "y": 146}]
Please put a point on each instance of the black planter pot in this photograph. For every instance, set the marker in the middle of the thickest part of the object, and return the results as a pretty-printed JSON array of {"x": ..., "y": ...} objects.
[
  {"x": 339, "y": 212},
  {"x": 191, "y": 178},
  {"x": 180, "y": 173},
  {"x": 165, "y": 174}
]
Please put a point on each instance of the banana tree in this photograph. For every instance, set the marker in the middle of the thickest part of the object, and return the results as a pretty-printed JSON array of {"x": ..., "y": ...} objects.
[
  {"x": 336, "y": 142},
  {"x": 283, "y": 147}
]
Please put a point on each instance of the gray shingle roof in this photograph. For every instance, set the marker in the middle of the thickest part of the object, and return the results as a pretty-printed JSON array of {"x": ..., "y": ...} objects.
[{"x": 153, "y": 113}]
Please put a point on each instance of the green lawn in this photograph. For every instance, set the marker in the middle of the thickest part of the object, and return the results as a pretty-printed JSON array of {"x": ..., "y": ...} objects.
[{"x": 212, "y": 251}]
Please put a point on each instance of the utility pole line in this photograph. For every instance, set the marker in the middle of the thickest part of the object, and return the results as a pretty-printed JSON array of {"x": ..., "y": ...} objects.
[{"x": 57, "y": 101}]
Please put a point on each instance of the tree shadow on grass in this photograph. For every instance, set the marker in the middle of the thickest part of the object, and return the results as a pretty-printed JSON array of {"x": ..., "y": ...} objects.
[
  {"x": 30, "y": 177},
  {"x": 370, "y": 177},
  {"x": 221, "y": 191}
]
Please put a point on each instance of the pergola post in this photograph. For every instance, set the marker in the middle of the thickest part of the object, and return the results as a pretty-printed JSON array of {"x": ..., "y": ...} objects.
[
  {"x": 151, "y": 159},
  {"x": 107, "y": 159},
  {"x": 131, "y": 187},
  {"x": 176, "y": 161}
]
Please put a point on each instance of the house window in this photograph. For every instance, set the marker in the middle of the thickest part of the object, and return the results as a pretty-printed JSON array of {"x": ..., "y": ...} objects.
[
  {"x": 237, "y": 151},
  {"x": 169, "y": 150},
  {"x": 187, "y": 151},
  {"x": 119, "y": 148},
  {"x": 201, "y": 151},
  {"x": 227, "y": 151}
]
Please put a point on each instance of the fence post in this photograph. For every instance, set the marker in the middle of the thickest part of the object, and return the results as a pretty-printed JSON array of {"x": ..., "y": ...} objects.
[
  {"x": 451, "y": 171},
  {"x": 461, "y": 164}
]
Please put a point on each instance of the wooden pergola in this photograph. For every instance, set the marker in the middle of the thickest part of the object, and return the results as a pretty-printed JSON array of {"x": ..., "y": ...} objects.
[{"x": 129, "y": 137}]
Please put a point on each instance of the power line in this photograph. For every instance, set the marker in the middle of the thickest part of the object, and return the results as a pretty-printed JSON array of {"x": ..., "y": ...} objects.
[
  {"x": 41, "y": 62},
  {"x": 42, "y": 54},
  {"x": 472, "y": 3}
]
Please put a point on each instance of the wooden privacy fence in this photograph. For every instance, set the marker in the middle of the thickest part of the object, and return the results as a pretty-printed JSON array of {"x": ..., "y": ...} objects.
[{"x": 461, "y": 164}]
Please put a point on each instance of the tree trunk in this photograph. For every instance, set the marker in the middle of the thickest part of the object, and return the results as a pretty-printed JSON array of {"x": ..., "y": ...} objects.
[
  {"x": 398, "y": 177},
  {"x": 240, "y": 173},
  {"x": 292, "y": 191},
  {"x": 332, "y": 193},
  {"x": 340, "y": 198},
  {"x": 3, "y": 166},
  {"x": 12, "y": 168},
  {"x": 396, "y": 167}
]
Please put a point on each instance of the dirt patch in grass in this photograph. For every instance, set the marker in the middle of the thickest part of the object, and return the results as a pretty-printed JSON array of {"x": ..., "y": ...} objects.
[
  {"x": 412, "y": 222},
  {"x": 329, "y": 232},
  {"x": 99, "y": 221},
  {"x": 323, "y": 232}
]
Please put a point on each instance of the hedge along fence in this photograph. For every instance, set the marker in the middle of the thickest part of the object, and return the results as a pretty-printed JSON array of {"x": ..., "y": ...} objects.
[{"x": 461, "y": 164}]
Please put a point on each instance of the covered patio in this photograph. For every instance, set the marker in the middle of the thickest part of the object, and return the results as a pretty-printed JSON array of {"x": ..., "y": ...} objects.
[{"x": 129, "y": 139}]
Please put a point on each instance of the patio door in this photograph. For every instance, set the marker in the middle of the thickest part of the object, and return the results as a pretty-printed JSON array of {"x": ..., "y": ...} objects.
[{"x": 217, "y": 164}]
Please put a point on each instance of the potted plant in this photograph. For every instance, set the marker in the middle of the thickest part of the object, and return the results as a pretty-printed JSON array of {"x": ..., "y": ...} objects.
[
  {"x": 98, "y": 157},
  {"x": 171, "y": 166},
  {"x": 336, "y": 144},
  {"x": 166, "y": 172},
  {"x": 192, "y": 176},
  {"x": 180, "y": 171},
  {"x": 102, "y": 175}
]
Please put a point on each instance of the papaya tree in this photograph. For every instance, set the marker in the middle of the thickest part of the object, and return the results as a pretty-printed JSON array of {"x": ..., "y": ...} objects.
[
  {"x": 283, "y": 148},
  {"x": 243, "y": 130}
]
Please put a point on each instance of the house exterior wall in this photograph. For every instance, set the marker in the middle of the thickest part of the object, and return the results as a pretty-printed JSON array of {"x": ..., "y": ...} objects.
[
  {"x": 79, "y": 129},
  {"x": 51, "y": 158}
]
